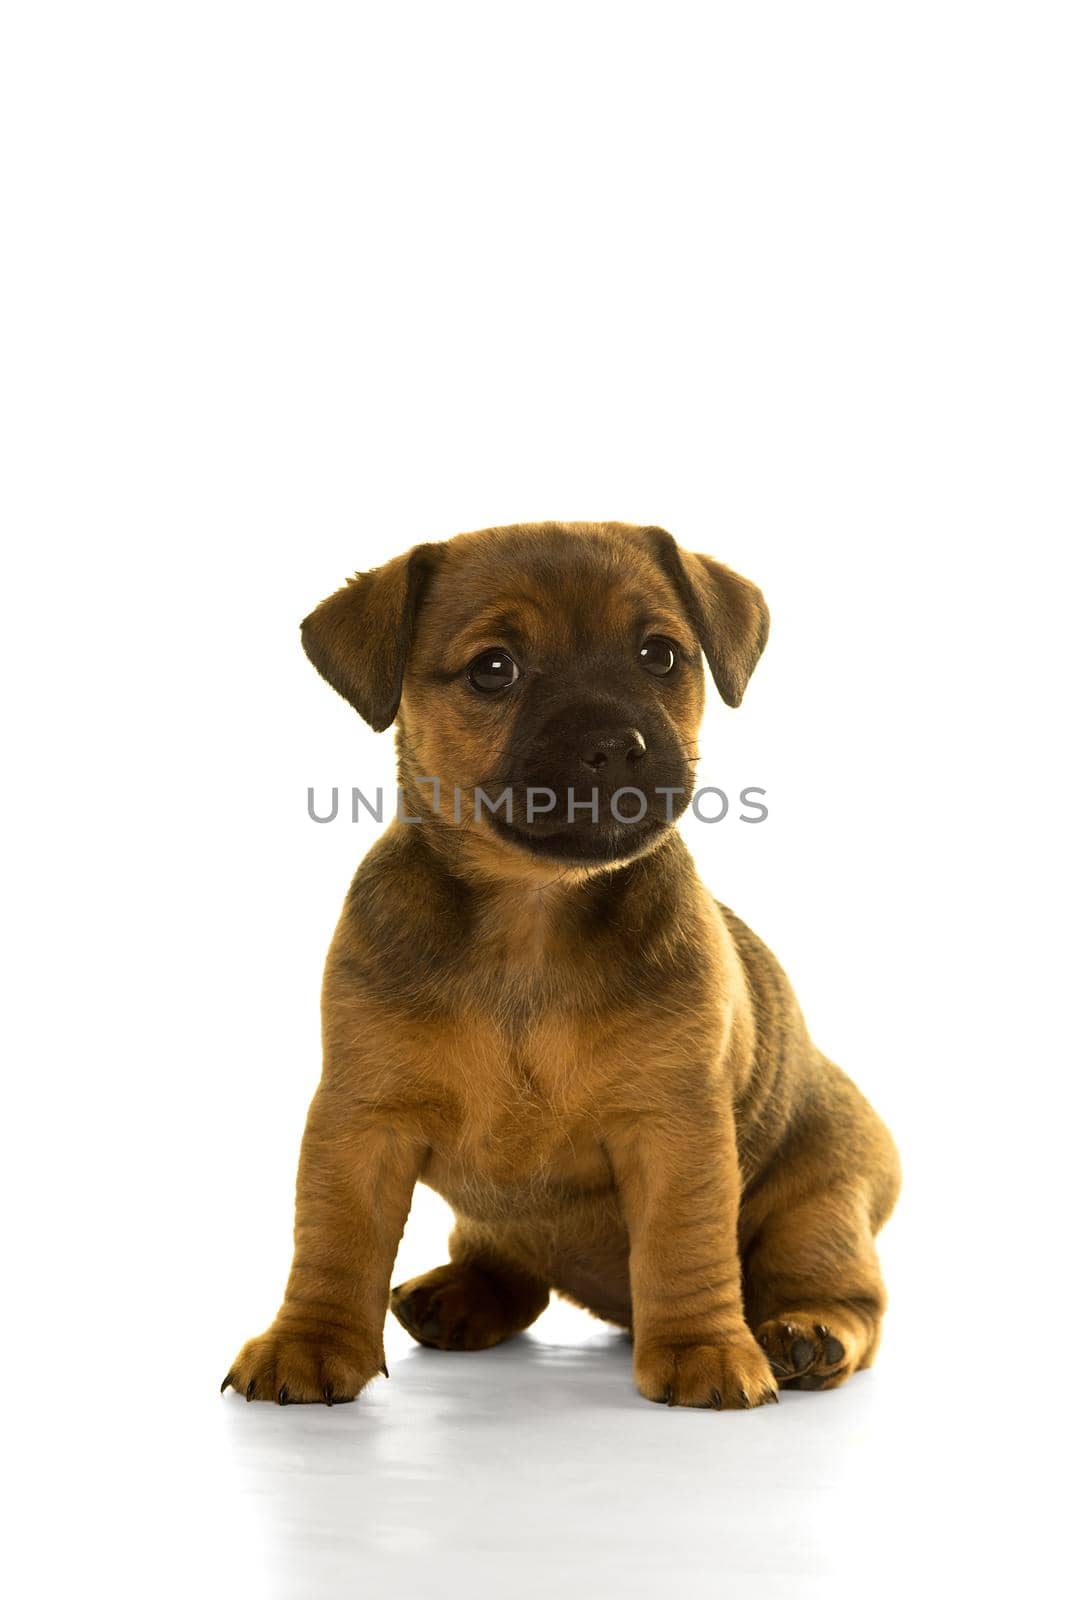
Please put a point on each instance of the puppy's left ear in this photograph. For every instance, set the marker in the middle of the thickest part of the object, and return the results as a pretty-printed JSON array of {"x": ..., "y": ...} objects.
[
  {"x": 728, "y": 613},
  {"x": 359, "y": 639}
]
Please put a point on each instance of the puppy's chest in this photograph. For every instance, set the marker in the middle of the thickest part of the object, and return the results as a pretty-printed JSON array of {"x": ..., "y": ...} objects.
[{"x": 523, "y": 1124}]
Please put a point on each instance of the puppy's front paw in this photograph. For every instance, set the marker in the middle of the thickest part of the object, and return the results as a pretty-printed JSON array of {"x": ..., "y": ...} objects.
[
  {"x": 301, "y": 1367},
  {"x": 731, "y": 1374}
]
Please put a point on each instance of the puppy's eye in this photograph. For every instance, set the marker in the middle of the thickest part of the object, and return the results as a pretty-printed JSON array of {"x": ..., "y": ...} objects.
[
  {"x": 493, "y": 670},
  {"x": 658, "y": 656}
]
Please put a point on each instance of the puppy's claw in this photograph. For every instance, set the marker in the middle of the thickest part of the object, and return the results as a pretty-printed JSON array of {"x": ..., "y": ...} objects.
[
  {"x": 283, "y": 1396},
  {"x": 384, "y": 1370},
  {"x": 328, "y": 1393},
  {"x": 227, "y": 1381},
  {"x": 251, "y": 1390},
  {"x": 715, "y": 1400}
]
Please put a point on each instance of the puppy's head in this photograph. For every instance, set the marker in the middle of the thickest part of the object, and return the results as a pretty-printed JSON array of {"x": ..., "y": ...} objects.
[{"x": 549, "y": 676}]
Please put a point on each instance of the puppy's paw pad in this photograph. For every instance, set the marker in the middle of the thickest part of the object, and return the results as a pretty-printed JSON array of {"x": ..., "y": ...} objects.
[
  {"x": 455, "y": 1307},
  {"x": 806, "y": 1350}
]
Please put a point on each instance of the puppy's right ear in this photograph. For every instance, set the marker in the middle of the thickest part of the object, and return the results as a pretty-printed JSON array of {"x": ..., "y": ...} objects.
[{"x": 359, "y": 639}]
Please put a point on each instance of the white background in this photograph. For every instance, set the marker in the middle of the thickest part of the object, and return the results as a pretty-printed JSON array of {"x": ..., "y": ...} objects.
[{"x": 289, "y": 288}]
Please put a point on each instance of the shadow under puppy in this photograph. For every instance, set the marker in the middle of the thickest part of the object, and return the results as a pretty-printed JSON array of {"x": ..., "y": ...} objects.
[{"x": 548, "y": 1019}]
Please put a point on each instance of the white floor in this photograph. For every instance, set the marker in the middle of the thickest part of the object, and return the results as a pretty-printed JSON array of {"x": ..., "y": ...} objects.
[
  {"x": 533, "y": 1469},
  {"x": 536, "y": 1469}
]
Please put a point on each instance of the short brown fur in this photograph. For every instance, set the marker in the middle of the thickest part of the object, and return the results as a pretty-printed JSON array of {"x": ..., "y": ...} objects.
[{"x": 603, "y": 1071}]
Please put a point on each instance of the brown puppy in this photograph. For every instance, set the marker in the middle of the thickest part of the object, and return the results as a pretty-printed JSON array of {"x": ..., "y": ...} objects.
[{"x": 548, "y": 1019}]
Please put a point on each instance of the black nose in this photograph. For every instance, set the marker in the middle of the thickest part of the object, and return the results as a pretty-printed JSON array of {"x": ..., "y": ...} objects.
[{"x": 613, "y": 753}]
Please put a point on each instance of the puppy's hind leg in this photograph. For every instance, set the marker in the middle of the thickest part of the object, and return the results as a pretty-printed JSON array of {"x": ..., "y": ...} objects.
[
  {"x": 476, "y": 1300},
  {"x": 814, "y": 1293}
]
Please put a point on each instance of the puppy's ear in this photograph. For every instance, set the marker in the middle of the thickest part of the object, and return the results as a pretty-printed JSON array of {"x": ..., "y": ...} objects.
[
  {"x": 359, "y": 638},
  {"x": 728, "y": 613}
]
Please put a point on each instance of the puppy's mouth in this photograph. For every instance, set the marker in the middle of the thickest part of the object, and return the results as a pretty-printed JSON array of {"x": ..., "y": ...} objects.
[{"x": 582, "y": 842}]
